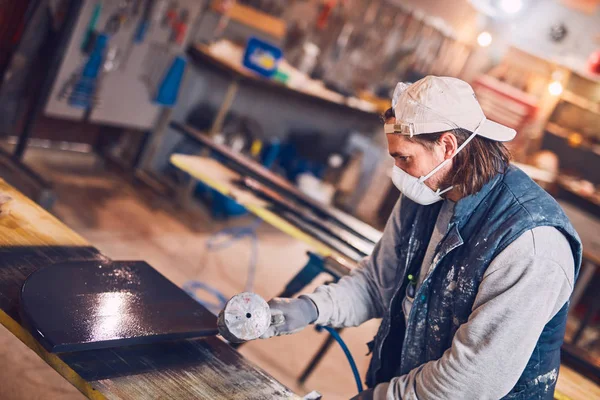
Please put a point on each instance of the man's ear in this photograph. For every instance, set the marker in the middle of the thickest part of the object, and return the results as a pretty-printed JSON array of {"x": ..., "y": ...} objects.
[{"x": 449, "y": 143}]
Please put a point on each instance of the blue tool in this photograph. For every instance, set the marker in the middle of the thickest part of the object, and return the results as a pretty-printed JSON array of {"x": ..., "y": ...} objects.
[
  {"x": 141, "y": 31},
  {"x": 169, "y": 87},
  {"x": 91, "y": 26},
  {"x": 144, "y": 25},
  {"x": 85, "y": 88}
]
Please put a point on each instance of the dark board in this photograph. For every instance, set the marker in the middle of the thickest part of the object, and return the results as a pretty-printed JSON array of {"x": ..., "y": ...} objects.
[{"x": 92, "y": 305}]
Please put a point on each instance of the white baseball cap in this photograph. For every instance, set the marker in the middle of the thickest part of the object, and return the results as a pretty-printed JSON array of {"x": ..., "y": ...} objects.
[{"x": 438, "y": 104}]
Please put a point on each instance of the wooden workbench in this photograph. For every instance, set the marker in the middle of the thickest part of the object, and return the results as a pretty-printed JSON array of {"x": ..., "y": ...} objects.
[
  {"x": 31, "y": 239},
  {"x": 570, "y": 385}
]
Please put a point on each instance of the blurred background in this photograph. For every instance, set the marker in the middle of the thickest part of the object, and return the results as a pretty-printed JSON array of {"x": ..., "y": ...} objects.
[{"x": 89, "y": 90}]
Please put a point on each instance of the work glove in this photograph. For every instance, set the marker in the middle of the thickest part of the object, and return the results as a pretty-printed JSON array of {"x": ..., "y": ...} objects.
[{"x": 289, "y": 316}]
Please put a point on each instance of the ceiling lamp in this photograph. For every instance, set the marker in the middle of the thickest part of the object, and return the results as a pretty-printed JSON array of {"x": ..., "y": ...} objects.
[
  {"x": 484, "y": 39},
  {"x": 511, "y": 6},
  {"x": 499, "y": 9}
]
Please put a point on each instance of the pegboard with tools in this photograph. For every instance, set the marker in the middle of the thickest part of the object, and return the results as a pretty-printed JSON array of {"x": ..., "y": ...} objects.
[{"x": 117, "y": 57}]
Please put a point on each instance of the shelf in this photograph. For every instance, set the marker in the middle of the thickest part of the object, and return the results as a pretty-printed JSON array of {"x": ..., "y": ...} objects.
[
  {"x": 573, "y": 186},
  {"x": 558, "y": 130},
  {"x": 581, "y": 102},
  {"x": 225, "y": 63},
  {"x": 564, "y": 133}
]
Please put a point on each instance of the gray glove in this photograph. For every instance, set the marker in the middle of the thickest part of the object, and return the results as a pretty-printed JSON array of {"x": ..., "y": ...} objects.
[{"x": 289, "y": 316}]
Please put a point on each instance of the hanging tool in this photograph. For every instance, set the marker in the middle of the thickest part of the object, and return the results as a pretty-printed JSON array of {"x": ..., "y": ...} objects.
[
  {"x": 142, "y": 29},
  {"x": 82, "y": 95},
  {"x": 168, "y": 90},
  {"x": 325, "y": 11},
  {"x": 170, "y": 15},
  {"x": 136, "y": 8},
  {"x": 89, "y": 31},
  {"x": 145, "y": 23},
  {"x": 179, "y": 27},
  {"x": 83, "y": 87}
]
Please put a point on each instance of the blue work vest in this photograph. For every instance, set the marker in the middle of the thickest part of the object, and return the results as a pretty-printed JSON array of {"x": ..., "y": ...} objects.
[{"x": 482, "y": 226}]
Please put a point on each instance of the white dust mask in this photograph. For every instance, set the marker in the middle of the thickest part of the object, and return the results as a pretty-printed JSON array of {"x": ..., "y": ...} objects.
[{"x": 415, "y": 188}]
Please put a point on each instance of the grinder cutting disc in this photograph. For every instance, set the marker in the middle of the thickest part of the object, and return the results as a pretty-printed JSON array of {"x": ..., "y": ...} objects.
[{"x": 246, "y": 316}]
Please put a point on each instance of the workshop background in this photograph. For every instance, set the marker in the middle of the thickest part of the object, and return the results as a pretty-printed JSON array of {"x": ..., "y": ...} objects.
[{"x": 238, "y": 146}]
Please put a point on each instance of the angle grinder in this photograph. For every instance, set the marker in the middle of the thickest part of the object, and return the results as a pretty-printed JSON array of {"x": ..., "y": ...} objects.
[{"x": 246, "y": 316}]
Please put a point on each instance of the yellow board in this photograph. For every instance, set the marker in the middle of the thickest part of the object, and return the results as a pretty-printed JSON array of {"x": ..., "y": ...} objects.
[{"x": 221, "y": 179}]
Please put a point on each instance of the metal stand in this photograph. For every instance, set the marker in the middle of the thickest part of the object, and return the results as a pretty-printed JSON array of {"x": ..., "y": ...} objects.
[
  {"x": 307, "y": 274},
  {"x": 317, "y": 358},
  {"x": 148, "y": 148}
]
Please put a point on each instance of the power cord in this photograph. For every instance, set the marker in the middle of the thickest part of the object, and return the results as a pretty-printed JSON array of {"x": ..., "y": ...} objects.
[
  {"x": 346, "y": 350},
  {"x": 219, "y": 241}
]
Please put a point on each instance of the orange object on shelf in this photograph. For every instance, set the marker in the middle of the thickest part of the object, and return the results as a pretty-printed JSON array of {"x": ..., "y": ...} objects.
[{"x": 594, "y": 62}]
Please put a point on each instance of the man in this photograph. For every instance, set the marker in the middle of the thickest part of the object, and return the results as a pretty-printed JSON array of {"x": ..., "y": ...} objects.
[{"x": 474, "y": 270}]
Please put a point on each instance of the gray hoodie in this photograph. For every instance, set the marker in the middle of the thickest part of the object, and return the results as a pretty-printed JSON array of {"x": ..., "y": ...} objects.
[{"x": 491, "y": 350}]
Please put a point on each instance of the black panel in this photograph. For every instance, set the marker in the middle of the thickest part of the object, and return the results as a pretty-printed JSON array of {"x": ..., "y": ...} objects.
[{"x": 91, "y": 305}]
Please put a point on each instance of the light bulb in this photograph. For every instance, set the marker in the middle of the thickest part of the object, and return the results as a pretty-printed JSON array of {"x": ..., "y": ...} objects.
[
  {"x": 555, "y": 88},
  {"x": 511, "y": 6},
  {"x": 484, "y": 39}
]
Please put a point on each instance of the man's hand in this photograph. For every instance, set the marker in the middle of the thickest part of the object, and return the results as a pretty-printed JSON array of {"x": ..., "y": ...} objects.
[{"x": 289, "y": 316}]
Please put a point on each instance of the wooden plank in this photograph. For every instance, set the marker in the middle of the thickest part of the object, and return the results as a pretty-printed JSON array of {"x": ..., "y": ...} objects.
[
  {"x": 573, "y": 386},
  {"x": 222, "y": 179},
  {"x": 581, "y": 102},
  {"x": 363, "y": 247},
  {"x": 254, "y": 18},
  {"x": 30, "y": 239}
]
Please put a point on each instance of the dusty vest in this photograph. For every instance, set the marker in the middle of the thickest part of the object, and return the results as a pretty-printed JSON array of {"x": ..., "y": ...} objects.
[{"x": 483, "y": 225}]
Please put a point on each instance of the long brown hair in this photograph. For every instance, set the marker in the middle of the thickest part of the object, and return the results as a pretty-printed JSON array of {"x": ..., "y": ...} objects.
[{"x": 473, "y": 166}]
